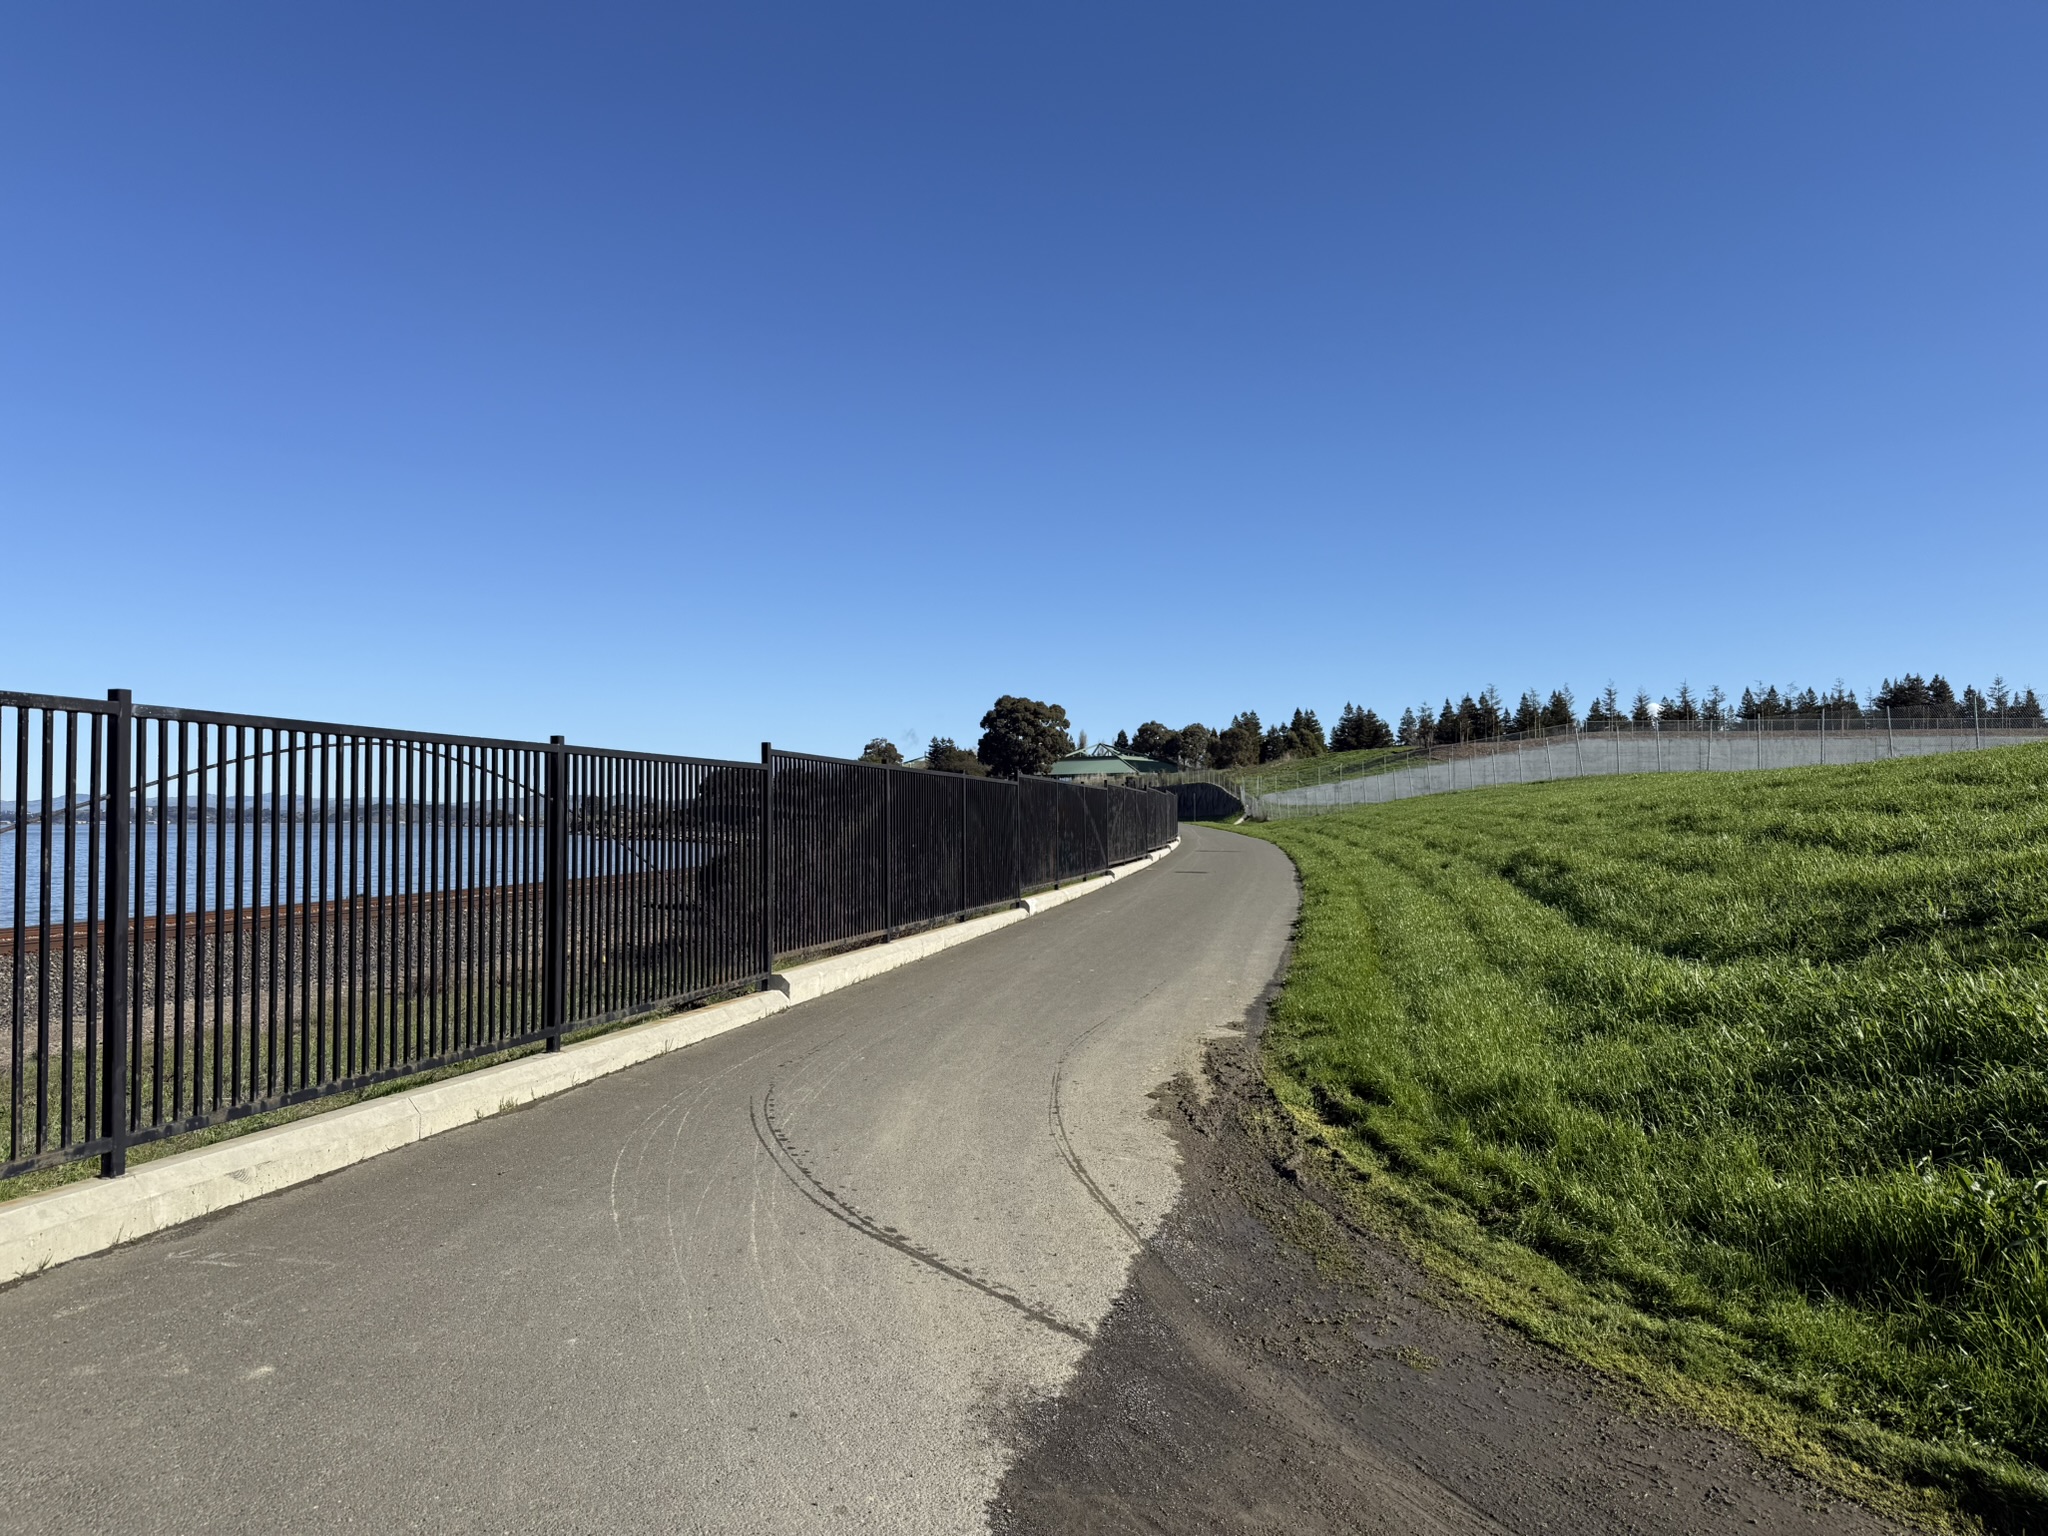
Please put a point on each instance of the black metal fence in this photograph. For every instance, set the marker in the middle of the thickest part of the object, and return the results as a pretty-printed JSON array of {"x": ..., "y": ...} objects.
[{"x": 205, "y": 915}]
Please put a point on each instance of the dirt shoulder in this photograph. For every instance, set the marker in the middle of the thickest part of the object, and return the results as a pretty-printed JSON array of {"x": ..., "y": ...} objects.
[{"x": 1272, "y": 1367}]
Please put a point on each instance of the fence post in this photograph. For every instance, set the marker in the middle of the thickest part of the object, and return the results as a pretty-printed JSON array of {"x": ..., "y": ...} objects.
[
  {"x": 962, "y": 908},
  {"x": 114, "y": 983},
  {"x": 767, "y": 863},
  {"x": 888, "y": 852},
  {"x": 555, "y": 896},
  {"x": 1891, "y": 747}
]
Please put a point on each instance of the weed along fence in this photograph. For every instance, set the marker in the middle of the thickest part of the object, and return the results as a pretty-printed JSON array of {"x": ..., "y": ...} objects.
[
  {"x": 205, "y": 915},
  {"x": 1571, "y": 753}
]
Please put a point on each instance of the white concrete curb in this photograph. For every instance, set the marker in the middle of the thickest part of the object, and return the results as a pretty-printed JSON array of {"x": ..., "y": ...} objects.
[{"x": 40, "y": 1231}]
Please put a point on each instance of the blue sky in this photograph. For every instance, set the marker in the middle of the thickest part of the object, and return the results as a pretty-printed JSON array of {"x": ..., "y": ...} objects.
[{"x": 679, "y": 377}]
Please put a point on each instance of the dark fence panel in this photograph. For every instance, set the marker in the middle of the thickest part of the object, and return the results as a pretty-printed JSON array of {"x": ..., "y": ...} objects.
[
  {"x": 1080, "y": 843},
  {"x": 665, "y": 882},
  {"x": 831, "y": 852},
  {"x": 206, "y": 915},
  {"x": 927, "y": 821},
  {"x": 237, "y": 914},
  {"x": 53, "y": 863},
  {"x": 1038, "y": 820},
  {"x": 991, "y": 830}
]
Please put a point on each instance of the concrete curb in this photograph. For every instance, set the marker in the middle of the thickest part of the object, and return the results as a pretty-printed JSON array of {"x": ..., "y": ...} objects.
[{"x": 40, "y": 1231}]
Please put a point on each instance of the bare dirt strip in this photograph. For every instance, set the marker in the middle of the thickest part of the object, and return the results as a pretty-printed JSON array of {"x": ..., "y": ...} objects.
[{"x": 1272, "y": 1367}]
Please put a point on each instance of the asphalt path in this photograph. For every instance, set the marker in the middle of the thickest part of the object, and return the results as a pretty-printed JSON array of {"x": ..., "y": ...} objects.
[{"x": 812, "y": 1275}]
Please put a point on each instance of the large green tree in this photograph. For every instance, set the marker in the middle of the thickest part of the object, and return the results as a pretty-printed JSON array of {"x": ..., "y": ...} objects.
[
  {"x": 1237, "y": 744},
  {"x": 882, "y": 750},
  {"x": 1349, "y": 735},
  {"x": 1020, "y": 736},
  {"x": 1154, "y": 740},
  {"x": 1305, "y": 734}
]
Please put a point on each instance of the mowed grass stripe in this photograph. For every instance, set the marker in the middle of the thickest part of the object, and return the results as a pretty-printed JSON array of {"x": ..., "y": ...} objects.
[{"x": 1736, "y": 1080}]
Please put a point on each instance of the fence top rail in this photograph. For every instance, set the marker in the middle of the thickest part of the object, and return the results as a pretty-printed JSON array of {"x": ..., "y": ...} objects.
[
  {"x": 1022, "y": 778},
  {"x": 368, "y": 733},
  {"x": 574, "y": 750},
  {"x": 844, "y": 762},
  {"x": 326, "y": 728},
  {"x": 10, "y": 700}
]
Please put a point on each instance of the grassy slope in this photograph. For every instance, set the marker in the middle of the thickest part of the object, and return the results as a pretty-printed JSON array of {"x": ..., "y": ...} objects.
[
  {"x": 1295, "y": 771},
  {"x": 1735, "y": 1083}
]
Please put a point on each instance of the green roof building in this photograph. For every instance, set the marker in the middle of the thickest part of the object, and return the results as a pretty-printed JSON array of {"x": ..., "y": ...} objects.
[{"x": 1105, "y": 761}]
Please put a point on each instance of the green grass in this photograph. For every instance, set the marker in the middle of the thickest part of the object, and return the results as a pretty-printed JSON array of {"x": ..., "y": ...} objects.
[
  {"x": 1735, "y": 1083},
  {"x": 1263, "y": 778}
]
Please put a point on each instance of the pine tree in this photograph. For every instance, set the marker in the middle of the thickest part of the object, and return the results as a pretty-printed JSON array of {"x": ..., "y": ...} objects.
[
  {"x": 1374, "y": 732},
  {"x": 1528, "y": 712},
  {"x": 1465, "y": 724},
  {"x": 1407, "y": 731},
  {"x": 1596, "y": 715},
  {"x": 1447, "y": 724},
  {"x": 2026, "y": 707},
  {"x": 1348, "y": 736},
  {"x": 1490, "y": 716},
  {"x": 1714, "y": 707},
  {"x": 1305, "y": 734},
  {"x": 1910, "y": 692},
  {"x": 1644, "y": 713},
  {"x": 1940, "y": 697},
  {"x": 1561, "y": 710}
]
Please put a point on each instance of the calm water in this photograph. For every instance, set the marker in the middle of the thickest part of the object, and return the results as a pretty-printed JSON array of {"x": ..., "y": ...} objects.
[{"x": 469, "y": 857}]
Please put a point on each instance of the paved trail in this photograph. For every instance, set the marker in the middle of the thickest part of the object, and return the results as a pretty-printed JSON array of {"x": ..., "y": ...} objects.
[{"x": 830, "y": 1272}]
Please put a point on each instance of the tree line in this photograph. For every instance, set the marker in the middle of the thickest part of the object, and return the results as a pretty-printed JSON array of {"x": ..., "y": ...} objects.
[
  {"x": 1018, "y": 736},
  {"x": 1027, "y": 736},
  {"x": 1486, "y": 715}
]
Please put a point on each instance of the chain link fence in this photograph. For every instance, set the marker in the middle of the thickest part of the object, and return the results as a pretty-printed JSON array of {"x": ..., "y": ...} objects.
[{"x": 1572, "y": 752}]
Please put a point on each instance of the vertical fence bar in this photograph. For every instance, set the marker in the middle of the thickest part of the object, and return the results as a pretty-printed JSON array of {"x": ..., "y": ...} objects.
[
  {"x": 555, "y": 896},
  {"x": 70, "y": 913},
  {"x": 17, "y": 1063},
  {"x": 767, "y": 861},
  {"x": 888, "y": 853},
  {"x": 114, "y": 1007}
]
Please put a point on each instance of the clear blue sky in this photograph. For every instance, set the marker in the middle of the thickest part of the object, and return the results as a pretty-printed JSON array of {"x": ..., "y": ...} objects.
[{"x": 682, "y": 376}]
